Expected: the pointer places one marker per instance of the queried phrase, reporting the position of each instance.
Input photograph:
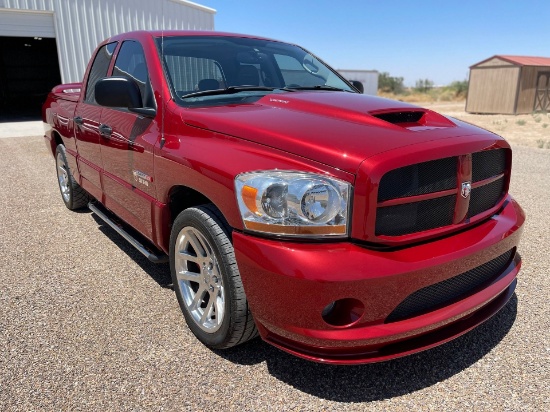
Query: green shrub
(460, 88)
(423, 85)
(390, 84)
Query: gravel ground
(86, 324)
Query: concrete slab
(21, 129)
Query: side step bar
(160, 258)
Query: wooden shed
(509, 85)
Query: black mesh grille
(415, 217)
(488, 164)
(448, 291)
(432, 177)
(418, 179)
(485, 197)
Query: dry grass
(525, 129)
(437, 94)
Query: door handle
(105, 131)
(136, 147)
(78, 120)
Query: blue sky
(437, 40)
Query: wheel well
(183, 197)
(57, 140)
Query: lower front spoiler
(360, 355)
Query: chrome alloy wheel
(63, 177)
(199, 279)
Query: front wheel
(206, 279)
(72, 194)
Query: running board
(160, 258)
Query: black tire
(74, 196)
(237, 324)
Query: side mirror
(118, 92)
(358, 85)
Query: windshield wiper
(320, 87)
(235, 89)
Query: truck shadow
(160, 272)
(361, 383)
(384, 380)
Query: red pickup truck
(340, 227)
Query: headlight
(293, 203)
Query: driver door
(127, 144)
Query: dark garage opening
(29, 68)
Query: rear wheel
(206, 279)
(72, 194)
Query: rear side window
(130, 62)
(99, 69)
(187, 72)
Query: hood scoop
(414, 120)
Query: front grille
(444, 293)
(403, 217)
(488, 164)
(415, 217)
(418, 179)
(485, 197)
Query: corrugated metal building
(369, 78)
(46, 42)
(509, 85)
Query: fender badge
(466, 189)
(142, 178)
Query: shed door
(542, 96)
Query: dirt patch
(526, 130)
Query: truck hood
(335, 128)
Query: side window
(190, 74)
(99, 69)
(293, 72)
(130, 62)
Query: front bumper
(288, 284)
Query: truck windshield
(212, 70)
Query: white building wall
(369, 78)
(80, 25)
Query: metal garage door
(29, 65)
(26, 24)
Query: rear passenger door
(86, 124)
(127, 142)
